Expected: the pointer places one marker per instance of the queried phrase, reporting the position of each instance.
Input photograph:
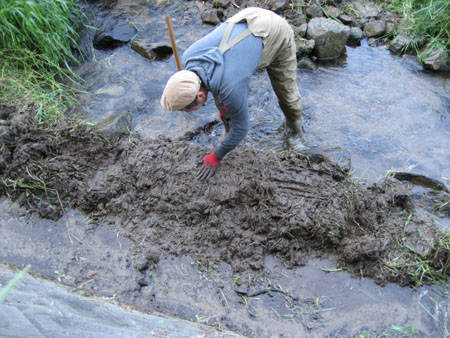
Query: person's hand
(209, 166)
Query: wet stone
(332, 11)
(345, 18)
(375, 28)
(365, 9)
(304, 46)
(436, 60)
(111, 90)
(314, 11)
(211, 16)
(278, 5)
(152, 50)
(330, 37)
(116, 125)
(417, 179)
(356, 34)
(115, 32)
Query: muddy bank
(283, 204)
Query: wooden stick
(172, 40)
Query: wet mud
(258, 204)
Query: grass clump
(36, 42)
(424, 21)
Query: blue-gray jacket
(227, 76)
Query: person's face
(201, 99)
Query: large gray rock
(436, 60)
(330, 37)
(375, 28)
(113, 33)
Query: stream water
(384, 110)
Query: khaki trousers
(279, 58)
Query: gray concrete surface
(36, 307)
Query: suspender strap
(224, 45)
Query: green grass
(423, 19)
(36, 42)
(410, 265)
(42, 26)
(13, 282)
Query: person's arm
(236, 106)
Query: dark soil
(258, 203)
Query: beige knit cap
(181, 89)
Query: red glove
(209, 166)
(220, 116)
(211, 159)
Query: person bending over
(223, 62)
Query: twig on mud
(79, 241)
(143, 239)
(117, 236)
(261, 292)
(79, 286)
(224, 298)
(330, 270)
(68, 232)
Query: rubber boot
(293, 127)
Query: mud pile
(284, 204)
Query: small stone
(314, 11)
(112, 90)
(332, 11)
(346, 19)
(399, 43)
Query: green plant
(13, 282)
(36, 42)
(424, 20)
(42, 26)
